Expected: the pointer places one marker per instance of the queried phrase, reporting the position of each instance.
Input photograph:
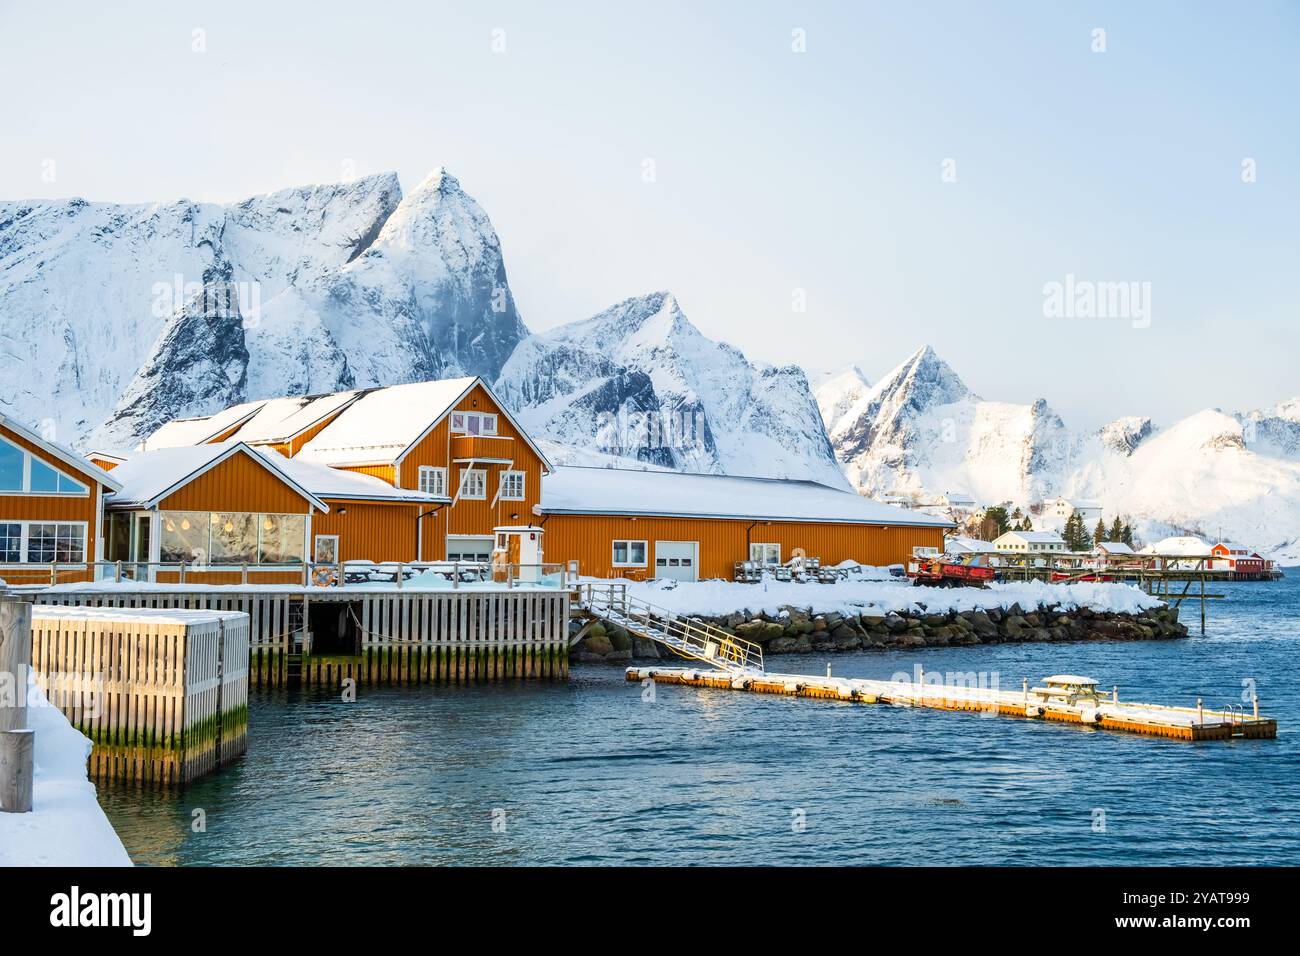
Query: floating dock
(1054, 702)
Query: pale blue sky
(775, 170)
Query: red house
(1226, 556)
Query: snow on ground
(66, 826)
(855, 597)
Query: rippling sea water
(588, 772)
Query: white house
(958, 501)
(1113, 552)
(1030, 541)
(1060, 510)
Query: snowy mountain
(920, 432)
(639, 382)
(125, 316)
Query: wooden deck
(1152, 720)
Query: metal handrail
(699, 639)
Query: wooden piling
(17, 762)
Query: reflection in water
(587, 772)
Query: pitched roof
(1035, 537)
(335, 483)
(384, 422)
(61, 452)
(280, 419)
(580, 490)
(183, 432)
(1115, 547)
(150, 476)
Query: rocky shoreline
(803, 631)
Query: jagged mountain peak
(638, 380)
(337, 283)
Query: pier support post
(17, 761)
(17, 750)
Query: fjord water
(589, 772)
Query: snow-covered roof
(335, 483)
(181, 432)
(280, 419)
(1115, 547)
(380, 425)
(1232, 546)
(61, 452)
(960, 544)
(1181, 544)
(1034, 537)
(383, 424)
(149, 477)
(578, 490)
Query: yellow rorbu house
(50, 508)
(441, 471)
(413, 473)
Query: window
(629, 554)
(23, 472)
(281, 539)
(473, 483)
(11, 542)
(512, 486)
(200, 537)
(56, 543)
(765, 553)
(433, 481)
(184, 537)
(473, 423)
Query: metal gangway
(686, 637)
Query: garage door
(677, 559)
(470, 549)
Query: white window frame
(27, 477)
(315, 545)
(762, 558)
(464, 484)
(24, 538)
(523, 486)
(439, 480)
(628, 542)
(484, 418)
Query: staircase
(687, 638)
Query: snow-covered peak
(639, 380)
(837, 391)
(1123, 435)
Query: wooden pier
(374, 635)
(1051, 703)
(162, 695)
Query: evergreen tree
(1099, 533)
(1116, 530)
(998, 515)
(1126, 535)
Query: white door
(677, 559)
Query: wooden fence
(404, 636)
(162, 694)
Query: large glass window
(11, 467)
(234, 538)
(40, 478)
(193, 537)
(184, 537)
(282, 539)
